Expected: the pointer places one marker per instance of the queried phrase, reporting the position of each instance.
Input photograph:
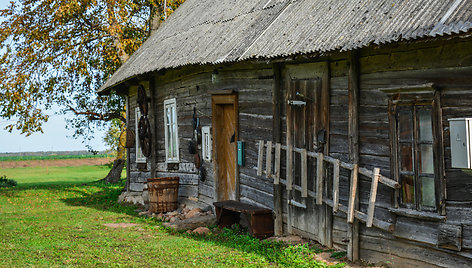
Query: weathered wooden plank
(386, 226)
(450, 236)
(467, 236)
(352, 194)
(417, 255)
(353, 143)
(304, 174)
(260, 158)
(256, 196)
(373, 196)
(424, 215)
(416, 230)
(256, 182)
(336, 186)
(269, 160)
(289, 169)
(319, 179)
(277, 164)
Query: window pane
(174, 117)
(406, 152)
(174, 141)
(428, 197)
(405, 125)
(169, 143)
(426, 129)
(168, 115)
(408, 189)
(426, 159)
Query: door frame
(222, 99)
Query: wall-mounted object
(206, 143)
(240, 153)
(296, 102)
(461, 142)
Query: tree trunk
(114, 175)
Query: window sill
(425, 215)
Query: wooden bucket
(163, 194)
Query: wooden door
(225, 135)
(303, 125)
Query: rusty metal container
(163, 194)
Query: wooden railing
(317, 192)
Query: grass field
(50, 157)
(57, 219)
(41, 176)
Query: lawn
(60, 222)
(31, 176)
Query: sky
(55, 137)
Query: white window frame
(140, 158)
(206, 143)
(171, 103)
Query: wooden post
(353, 142)
(269, 160)
(260, 158)
(325, 118)
(128, 154)
(373, 196)
(277, 138)
(336, 185)
(319, 179)
(304, 174)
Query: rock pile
(187, 218)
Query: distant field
(32, 176)
(51, 157)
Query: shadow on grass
(101, 196)
(96, 194)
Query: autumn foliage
(61, 51)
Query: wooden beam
(260, 158)
(353, 143)
(269, 159)
(373, 197)
(336, 186)
(304, 174)
(277, 138)
(319, 179)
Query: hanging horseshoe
(144, 129)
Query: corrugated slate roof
(217, 31)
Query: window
(416, 158)
(206, 143)
(140, 158)
(171, 131)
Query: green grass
(58, 223)
(31, 176)
(50, 157)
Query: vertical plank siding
(414, 238)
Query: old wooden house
(349, 119)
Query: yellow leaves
(51, 50)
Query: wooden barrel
(163, 194)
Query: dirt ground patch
(56, 162)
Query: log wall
(424, 240)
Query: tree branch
(93, 116)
